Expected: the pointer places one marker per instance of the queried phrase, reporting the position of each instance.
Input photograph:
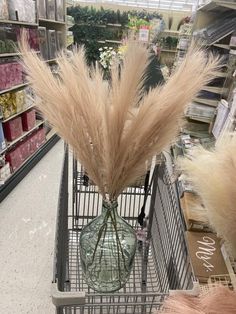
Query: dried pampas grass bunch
(217, 300)
(213, 174)
(112, 132)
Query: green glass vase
(107, 250)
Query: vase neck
(109, 206)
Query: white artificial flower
(110, 48)
(100, 49)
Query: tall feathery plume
(217, 300)
(213, 174)
(111, 131)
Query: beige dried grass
(213, 174)
(112, 133)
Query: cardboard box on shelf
(13, 129)
(24, 148)
(41, 136)
(11, 74)
(14, 157)
(205, 254)
(28, 119)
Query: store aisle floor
(27, 225)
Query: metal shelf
(168, 50)
(51, 22)
(205, 101)
(17, 114)
(13, 88)
(214, 89)
(218, 6)
(222, 46)
(10, 54)
(11, 144)
(18, 23)
(200, 119)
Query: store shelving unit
(201, 114)
(209, 27)
(13, 88)
(51, 137)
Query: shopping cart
(161, 263)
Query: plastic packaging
(43, 43)
(51, 9)
(42, 9)
(52, 44)
(60, 16)
(22, 10)
(3, 10)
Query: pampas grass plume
(218, 300)
(111, 131)
(213, 174)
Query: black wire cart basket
(161, 262)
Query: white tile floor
(27, 224)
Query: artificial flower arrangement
(109, 57)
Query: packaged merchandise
(41, 137)
(36, 139)
(31, 34)
(29, 97)
(8, 39)
(42, 9)
(222, 114)
(33, 142)
(24, 148)
(28, 119)
(3, 10)
(43, 43)
(33, 39)
(19, 100)
(60, 10)
(60, 40)
(30, 11)
(7, 105)
(51, 9)
(52, 43)
(205, 254)
(12, 129)
(11, 74)
(5, 172)
(14, 157)
(2, 139)
(22, 10)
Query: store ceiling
(175, 5)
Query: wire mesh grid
(161, 261)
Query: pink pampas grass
(219, 300)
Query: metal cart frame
(161, 263)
